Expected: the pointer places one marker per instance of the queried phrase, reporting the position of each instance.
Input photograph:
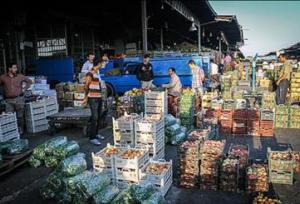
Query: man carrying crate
(14, 92)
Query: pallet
(12, 162)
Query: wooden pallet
(12, 162)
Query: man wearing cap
(283, 80)
(145, 73)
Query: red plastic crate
(267, 132)
(253, 124)
(253, 114)
(240, 114)
(212, 113)
(226, 115)
(266, 124)
(253, 132)
(239, 123)
(226, 123)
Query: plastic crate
(153, 147)
(148, 137)
(267, 114)
(123, 184)
(157, 95)
(135, 163)
(36, 129)
(35, 111)
(14, 134)
(160, 154)
(125, 122)
(8, 118)
(127, 174)
(158, 179)
(281, 177)
(142, 125)
(36, 117)
(123, 137)
(100, 160)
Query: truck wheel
(110, 90)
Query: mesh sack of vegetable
(79, 199)
(106, 195)
(142, 192)
(124, 197)
(55, 181)
(14, 146)
(73, 165)
(63, 197)
(93, 184)
(47, 192)
(173, 129)
(177, 139)
(72, 182)
(170, 120)
(155, 198)
(39, 152)
(66, 150)
(51, 161)
(54, 143)
(34, 162)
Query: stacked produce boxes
(150, 132)
(229, 104)
(226, 117)
(156, 102)
(281, 166)
(123, 129)
(239, 125)
(211, 155)
(207, 99)
(253, 116)
(36, 116)
(226, 82)
(266, 122)
(79, 96)
(268, 100)
(188, 156)
(229, 173)
(266, 83)
(8, 127)
(282, 116)
(234, 78)
(294, 117)
(186, 108)
(257, 178)
(295, 87)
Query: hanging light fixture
(210, 34)
(193, 27)
(203, 33)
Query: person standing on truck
(198, 76)
(14, 92)
(145, 73)
(93, 97)
(283, 81)
(89, 63)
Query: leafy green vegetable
(155, 198)
(106, 195)
(66, 150)
(73, 165)
(34, 162)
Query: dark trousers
(281, 92)
(94, 124)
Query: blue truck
(126, 79)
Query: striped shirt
(198, 77)
(94, 90)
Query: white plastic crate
(125, 122)
(36, 110)
(9, 127)
(8, 118)
(148, 137)
(35, 117)
(158, 155)
(125, 174)
(100, 160)
(51, 101)
(36, 129)
(158, 95)
(14, 134)
(158, 179)
(143, 125)
(135, 163)
(156, 110)
(122, 184)
(123, 137)
(153, 147)
(165, 188)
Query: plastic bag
(34, 162)
(55, 181)
(173, 129)
(66, 150)
(177, 139)
(155, 198)
(183, 129)
(51, 161)
(15, 146)
(170, 120)
(73, 165)
(124, 197)
(63, 197)
(106, 195)
(93, 184)
(54, 143)
(47, 192)
(143, 191)
(72, 182)
(178, 121)
(79, 199)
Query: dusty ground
(22, 185)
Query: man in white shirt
(214, 68)
(174, 87)
(88, 65)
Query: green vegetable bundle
(34, 162)
(51, 161)
(54, 143)
(47, 192)
(55, 181)
(14, 146)
(39, 152)
(170, 120)
(177, 139)
(66, 150)
(155, 198)
(72, 182)
(173, 129)
(73, 165)
(124, 197)
(106, 195)
(93, 184)
(142, 192)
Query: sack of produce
(79, 199)
(47, 192)
(72, 182)
(178, 121)
(63, 197)
(106, 195)
(124, 197)
(54, 143)
(51, 161)
(155, 198)
(183, 129)
(73, 165)
(93, 184)
(173, 129)
(14, 147)
(39, 152)
(34, 162)
(170, 120)
(142, 192)
(55, 181)
(66, 150)
(177, 139)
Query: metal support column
(66, 40)
(161, 38)
(199, 38)
(144, 26)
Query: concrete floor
(22, 185)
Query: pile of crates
(266, 122)
(229, 104)
(239, 125)
(226, 117)
(36, 113)
(150, 132)
(8, 127)
(253, 116)
(229, 174)
(123, 129)
(294, 117)
(282, 116)
(226, 82)
(207, 100)
(295, 87)
(281, 167)
(268, 100)
(186, 108)
(156, 103)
